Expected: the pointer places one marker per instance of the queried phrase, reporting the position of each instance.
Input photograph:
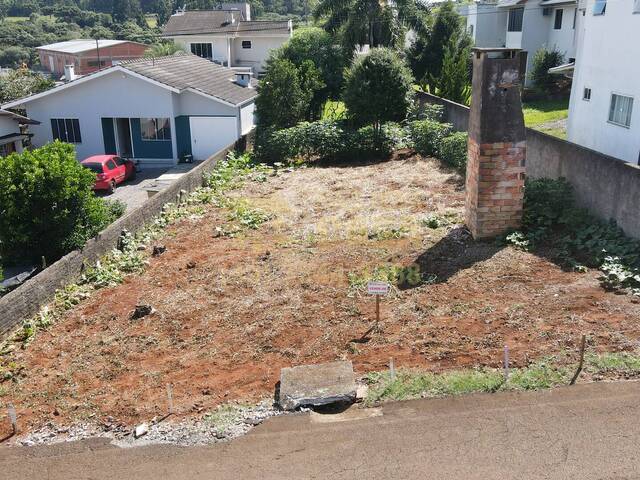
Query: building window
(155, 128)
(515, 19)
(557, 24)
(470, 30)
(586, 94)
(66, 130)
(7, 149)
(600, 7)
(620, 111)
(204, 50)
(246, 44)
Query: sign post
(377, 289)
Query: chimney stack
(243, 78)
(497, 147)
(69, 73)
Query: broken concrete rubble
(315, 385)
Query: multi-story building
(525, 24)
(227, 35)
(87, 55)
(604, 114)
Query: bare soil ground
(231, 312)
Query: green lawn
(544, 111)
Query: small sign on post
(377, 288)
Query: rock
(141, 248)
(314, 385)
(191, 264)
(141, 430)
(158, 250)
(141, 311)
(253, 421)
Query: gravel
(225, 423)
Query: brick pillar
(496, 155)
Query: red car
(111, 170)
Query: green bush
(453, 150)
(330, 140)
(551, 217)
(47, 204)
(427, 136)
(543, 60)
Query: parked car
(111, 170)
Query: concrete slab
(314, 385)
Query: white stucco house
(604, 111)
(525, 24)
(12, 135)
(227, 35)
(152, 110)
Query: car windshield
(95, 167)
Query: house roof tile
(218, 22)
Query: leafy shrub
(47, 204)
(427, 136)
(543, 60)
(426, 111)
(378, 89)
(331, 140)
(551, 216)
(453, 150)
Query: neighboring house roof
(81, 45)
(199, 22)
(18, 118)
(180, 72)
(547, 3)
(510, 3)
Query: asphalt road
(582, 432)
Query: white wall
(563, 40)
(188, 103)
(488, 22)
(114, 95)
(607, 62)
(219, 48)
(247, 118)
(8, 125)
(259, 52)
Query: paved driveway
(134, 193)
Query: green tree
(372, 22)
(15, 57)
(426, 53)
(316, 45)
(124, 10)
(22, 83)
(543, 60)
(378, 89)
(285, 93)
(163, 49)
(455, 79)
(47, 204)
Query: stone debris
(196, 431)
(142, 311)
(141, 430)
(158, 250)
(315, 385)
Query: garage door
(211, 134)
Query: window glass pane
(118, 161)
(148, 128)
(246, 44)
(558, 21)
(111, 165)
(515, 19)
(76, 131)
(204, 50)
(600, 7)
(164, 129)
(54, 129)
(621, 110)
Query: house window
(586, 94)
(600, 7)
(66, 130)
(515, 19)
(620, 111)
(246, 44)
(557, 24)
(470, 30)
(204, 50)
(155, 128)
(7, 149)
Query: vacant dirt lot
(231, 312)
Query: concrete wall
(257, 55)
(607, 63)
(608, 187)
(27, 299)
(485, 23)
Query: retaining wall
(26, 300)
(606, 186)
